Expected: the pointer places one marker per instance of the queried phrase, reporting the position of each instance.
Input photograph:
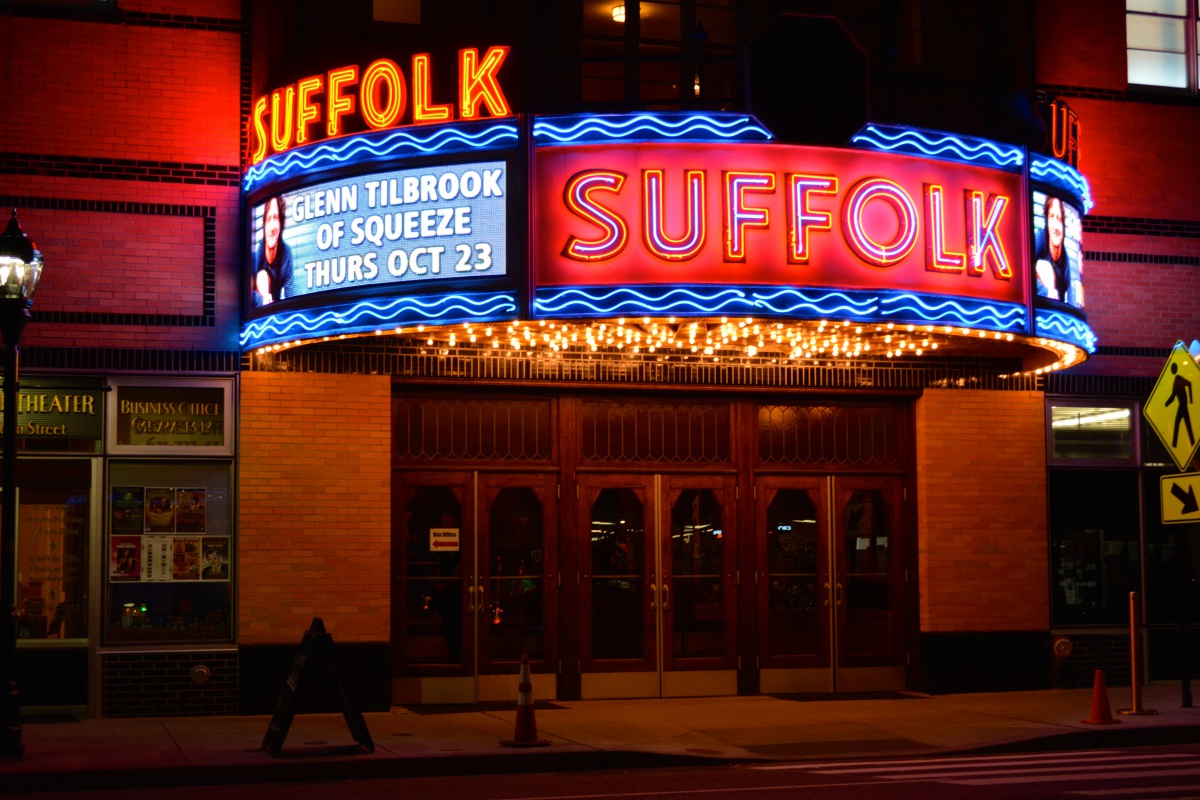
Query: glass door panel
(437, 546)
(793, 592)
(869, 580)
(617, 582)
(518, 562)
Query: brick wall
(161, 684)
(122, 157)
(315, 506)
(981, 485)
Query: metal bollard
(1135, 658)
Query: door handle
(666, 597)
(653, 597)
(827, 594)
(840, 599)
(471, 599)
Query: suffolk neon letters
(318, 106)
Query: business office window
(1091, 432)
(1161, 45)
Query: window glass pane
(1155, 33)
(433, 605)
(1177, 8)
(1157, 69)
(1091, 432)
(660, 21)
(793, 622)
(697, 567)
(618, 588)
(1094, 562)
(170, 553)
(53, 520)
(515, 601)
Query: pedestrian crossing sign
(1171, 407)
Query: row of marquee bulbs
(728, 339)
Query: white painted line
(1077, 764)
(946, 760)
(1102, 776)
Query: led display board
(413, 226)
(749, 214)
(1057, 250)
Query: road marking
(966, 765)
(1102, 776)
(1137, 790)
(946, 760)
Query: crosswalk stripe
(1102, 776)
(1032, 765)
(1138, 790)
(945, 760)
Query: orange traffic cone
(1101, 713)
(526, 732)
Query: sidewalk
(597, 734)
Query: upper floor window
(1160, 40)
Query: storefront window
(1094, 558)
(1091, 432)
(171, 552)
(53, 516)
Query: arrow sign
(443, 539)
(1188, 498)
(1178, 494)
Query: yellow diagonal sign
(1171, 407)
(1180, 495)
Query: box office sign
(181, 417)
(51, 419)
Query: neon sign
(775, 215)
(295, 115)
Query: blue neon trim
(371, 315)
(376, 145)
(1063, 176)
(697, 300)
(960, 311)
(649, 127)
(936, 144)
(781, 302)
(1052, 324)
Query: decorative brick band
(208, 215)
(1086, 92)
(101, 359)
(1142, 226)
(119, 169)
(115, 16)
(1099, 385)
(1141, 258)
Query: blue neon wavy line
(627, 127)
(282, 324)
(1072, 329)
(969, 150)
(861, 307)
(622, 297)
(343, 151)
(1041, 166)
(942, 309)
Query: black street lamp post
(20, 270)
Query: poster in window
(126, 558)
(185, 559)
(214, 562)
(156, 558)
(127, 509)
(190, 509)
(160, 510)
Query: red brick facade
(981, 500)
(315, 506)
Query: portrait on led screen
(1058, 249)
